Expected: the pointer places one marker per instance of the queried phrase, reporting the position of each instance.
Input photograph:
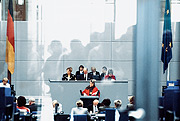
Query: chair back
(161, 101)
(123, 116)
(61, 117)
(110, 114)
(177, 103)
(82, 117)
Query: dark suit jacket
(97, 76)
(103, 108)
(90, 107)
(78, 75)
(33, 107)
(102, 76)
(65, 77)
(82, 77)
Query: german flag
(10, 49)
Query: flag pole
(9, 77)
(168, 77)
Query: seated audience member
(78, 110)
(68, 76)
(94, 74)
(117, 104)
(91, 90)
(105, 104)
(5, 83)
(21, 101)
(85, 75)
(110, 75)
(78, 73)
(57, 107)
(94, 108)
(104, 71)
(131, 106)
(32, 105)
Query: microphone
(97, 93)
(81, 93)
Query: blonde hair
(79, 103)
(5, 79)
(131, 100)
(118, 103)
(55, 102)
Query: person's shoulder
(114, 76)
(7, 84)
(23, 108)
(96, 89)
(74, 108)
(60, 105)
(85, 109)
(72, 75)
(106, 76)
(28, 110)
(65, 74)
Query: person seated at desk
(5, 83)
(57, 107)
(94, 108)
(32, 105)
(21, 101)
(104, 71)
(78, 110)
(85, 76)
(91, 90)
(117, 104)
(131, 105)
(69, 76)
(94, 74)
(104, 104)
(110, 75)
(78, 73)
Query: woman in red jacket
(91, 90)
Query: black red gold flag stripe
(10, 48)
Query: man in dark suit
(103, 74)
(105, 104)
(85, 76)
(94, 108)
(32, 105)
(94, 74)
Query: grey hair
(110, 71)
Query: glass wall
(53, 35)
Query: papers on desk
(100, 115)
(97, 116)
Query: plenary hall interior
(89, 60)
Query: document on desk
(100, 115)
